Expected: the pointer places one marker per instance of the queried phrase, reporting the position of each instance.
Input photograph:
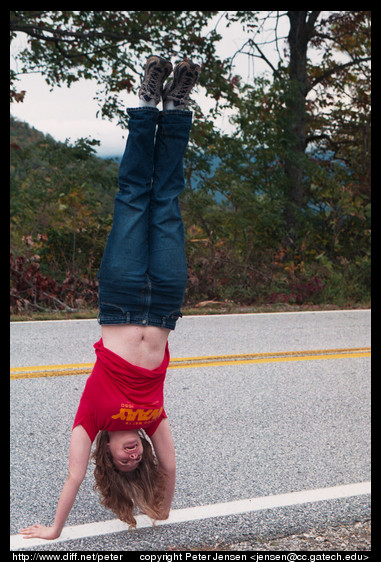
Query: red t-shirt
(119, 396)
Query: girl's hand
(40, 532)
(80, 447)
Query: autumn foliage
(276, 211)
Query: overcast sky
(71, 112)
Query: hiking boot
(185, 77)
(156, 71)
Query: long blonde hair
(142, 488)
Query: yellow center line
(203, 361)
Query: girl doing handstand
(142, 281)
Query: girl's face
(126, 449)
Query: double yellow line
(208, 361)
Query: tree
(307, 130)
(302, 28)
(110, 47)
(307, 126)
(328, 55)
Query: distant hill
(26, 138)
(47, 177)
(23, 135)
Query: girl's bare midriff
(143, 346)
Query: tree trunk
(301, 30)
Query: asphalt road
(244, 430)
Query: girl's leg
(143, 274)
(123, 282)
(167, 270)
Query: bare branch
(312, 20)
(263, 57)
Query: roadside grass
(201, 309)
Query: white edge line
(286, 312)
(210, 315)
(17, 542)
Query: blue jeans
(143, 273)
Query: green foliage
(238, 248)
(110, 47)
(276, 211)
(61, 204)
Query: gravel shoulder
(351, 537)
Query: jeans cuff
(140, 109)
(157, 110)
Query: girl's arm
(165, 452)
(80, 447)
